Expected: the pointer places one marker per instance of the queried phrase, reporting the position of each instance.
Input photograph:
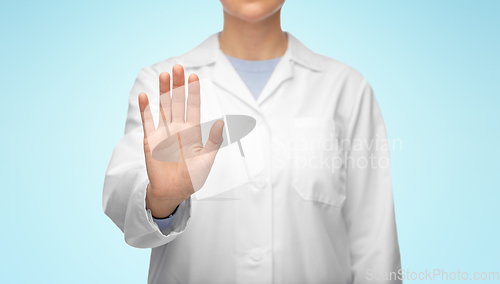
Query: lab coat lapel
(282, 72)
(226, 77)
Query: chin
(252, 11)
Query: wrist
(161, 208)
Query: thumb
(215, 138)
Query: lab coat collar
(224, 75)
(206, 53)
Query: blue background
(67, 68)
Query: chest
(295, 138)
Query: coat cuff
(176, 225)
(142, 231)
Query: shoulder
(325, 67)
(349, 87)
(342, 72)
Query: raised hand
(176, 161)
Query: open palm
(176, 161)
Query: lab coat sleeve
(369, 209)
(126, 178)
(164, 223)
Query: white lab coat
(297, 220)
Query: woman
(287, 203)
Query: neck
(260, 40)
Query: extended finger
(146, 116)
(178, 94)
(193, 101)
(215, 138)
(165, 101)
